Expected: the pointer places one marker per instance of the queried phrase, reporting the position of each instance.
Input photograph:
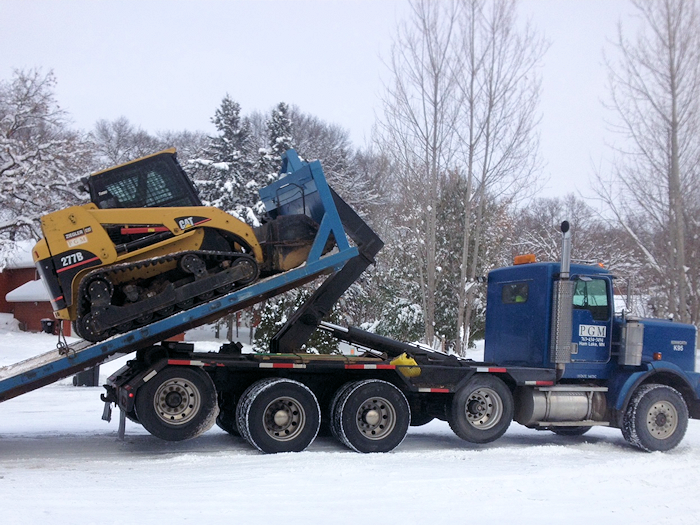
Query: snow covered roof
(29, 292)
(18, 256)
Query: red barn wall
(11, 279)
(28, 314)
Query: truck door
(592, 320)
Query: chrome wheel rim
(176, 401)
(662, 419)
(484, 408)
(376, 418)
(284, 418)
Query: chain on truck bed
(198, 276)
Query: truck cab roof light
(525, 259)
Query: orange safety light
(657, 356)
(525, 259)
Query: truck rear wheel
(482, 409)
(334, 414)
(278, 415)
(178, 403)
(370, 416)
(656, 418)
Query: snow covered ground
(61, 464)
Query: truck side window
(514, 293)
(592, 295)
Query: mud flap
(107, 412)
(122, 425)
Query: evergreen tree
(278, 132)
(279, 129)
(275, 314)
(226, 173)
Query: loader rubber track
(105, 309)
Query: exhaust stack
(562, 307)
(565, 251)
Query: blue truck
(557, 357)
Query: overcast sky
(166, 65)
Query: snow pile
(8, 323)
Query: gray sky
(166, 65)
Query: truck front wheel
(370, 416)
(278, 415)
(482, 409)
(178, 403)
(656, 418)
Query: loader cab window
(592, 295)
(151, 183)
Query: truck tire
(178, 403)
(656, 418)
(482, 409)
(131, 416)
(278, 415)
(370, 416)
(334, 411)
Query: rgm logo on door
(592, 335)
(592, 330)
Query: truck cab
(519, 325)
(608, 364)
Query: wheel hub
(484, 408)
(376, 418)
(176, 401)
(372, 417)
(476, 407)
(662, 420)
(284, 418)
(173, 399)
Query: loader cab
(149, 182)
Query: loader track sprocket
(111, 305)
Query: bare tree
(596, 241)
(463, 101)
(118, 141)
(421, 108)
(500, 86)
(655, 94)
